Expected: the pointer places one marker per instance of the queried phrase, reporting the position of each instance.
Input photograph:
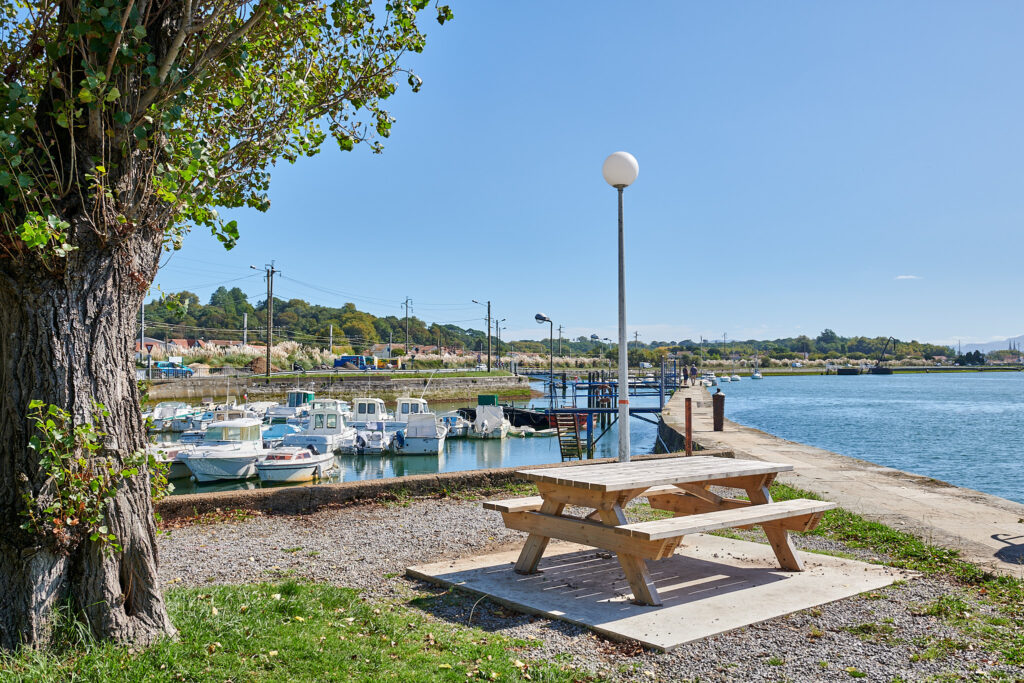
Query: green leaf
(113, 94)
(86, 95)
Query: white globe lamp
(620, 169)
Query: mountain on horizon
(993, 345)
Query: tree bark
(67, 339)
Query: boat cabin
(410, 406)
(244, 430)
(369, 410)
(296, 398)
(326, 418)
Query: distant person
(693, 375)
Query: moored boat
(424, 435)
(292, 464)
(230, 450)
(326, 431)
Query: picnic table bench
(678, 485)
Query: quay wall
(342, 386)
(305, 499)
(985, 529)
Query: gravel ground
(368, 546)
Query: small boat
(551, 431)
(296, 406)
(166, 412)
(757, 374)
(457, 425)
(490, 423)
(734, 378)
(650, 380)
(327, 431)
(230, 450)
(289, 463)
(369, 410)
(373, 438)
(708, 379)
(424, 435)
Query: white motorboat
(457, 425)
(490, 423)
(260, 408)
(327, 431)
(708, 379)
(230, 450)
(734, 378)
(192, 437)
(424, 435)
(757, 374)
(289, 463)
(369, 410)
(296, 406)
(166, 412)
(373, 438)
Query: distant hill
(994, 345)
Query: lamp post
(488, 332)
(541, 318)
(620, 170)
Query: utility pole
(559, 341)
(488, 332)
(270, 271)
(330, 341)
(406, 304)
(245, 329)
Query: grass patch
(291, 631)
(900, 549)
(876, 633)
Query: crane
(878, 368)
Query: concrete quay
(987, 530)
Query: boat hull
(292, 473)
(423, 445)
(215, 468)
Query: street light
(620, 170)
(488, 331)
(541, 318)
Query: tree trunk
(68, 339)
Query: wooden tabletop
(623, 476)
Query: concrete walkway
(987, 530)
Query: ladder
(569, 436)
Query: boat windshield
(233, 433)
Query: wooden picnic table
(680, 485)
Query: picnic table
(679, 485)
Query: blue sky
(803, 165)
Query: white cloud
(909, 277)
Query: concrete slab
(711, 585)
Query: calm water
(967, 429)
(461, 454)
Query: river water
(463, 454)
(963, 428)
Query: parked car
(480, 366)
(166, 369)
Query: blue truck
(357, 362)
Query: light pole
(541, 318)
(488, 332)
(620, 170)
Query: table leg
(535, 543)
(634, 567)
(779, 538)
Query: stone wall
(346, 386)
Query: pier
(985, 529)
